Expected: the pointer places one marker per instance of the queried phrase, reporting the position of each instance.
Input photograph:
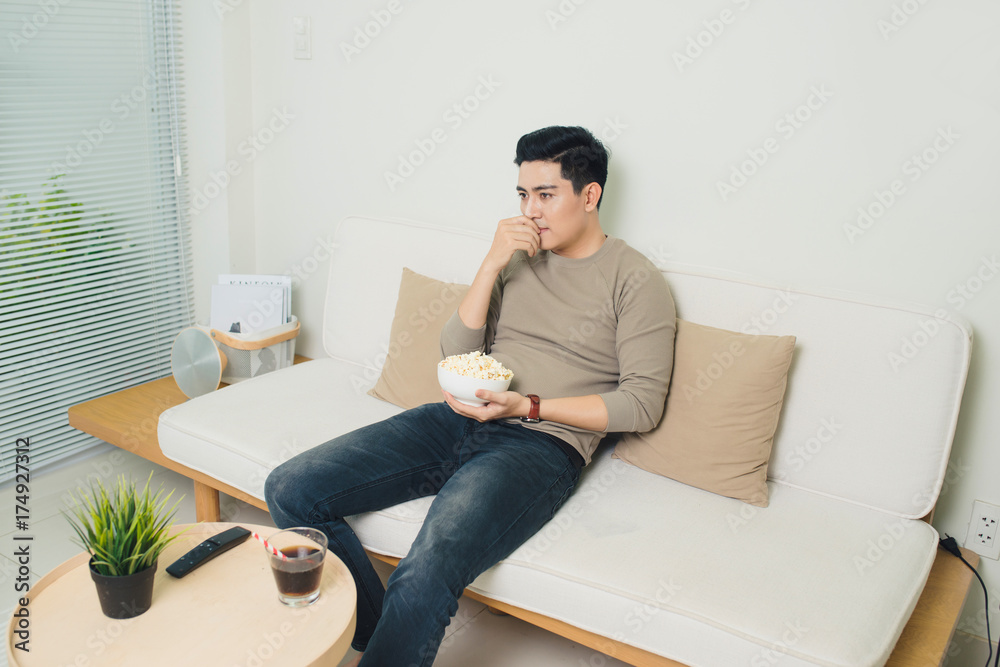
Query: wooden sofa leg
(496, 612)
(206, 503)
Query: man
(585, 322)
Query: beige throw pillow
(722, 410)
(409, 375)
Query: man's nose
(531, 208)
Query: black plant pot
(127, 596)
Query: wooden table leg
(206, 503)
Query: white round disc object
(196, 362)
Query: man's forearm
(587, 412)
(475, 305)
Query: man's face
(549, 200)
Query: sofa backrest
(365, 268)
(873, 393)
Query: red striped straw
(269, 547)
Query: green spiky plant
(52, 225)
(124, 530)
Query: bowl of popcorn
(462, 374)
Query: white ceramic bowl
(463, 388)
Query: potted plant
(125, 531)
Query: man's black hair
(583, 158)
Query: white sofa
(827, 574)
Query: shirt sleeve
(456, 338)
(647, 323)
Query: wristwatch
(532, 417)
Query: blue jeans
(496, 485)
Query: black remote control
(208, 550)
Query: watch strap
(532, 417)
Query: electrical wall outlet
(982, 536)
(302, 38)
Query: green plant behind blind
(94, 243)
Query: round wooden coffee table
(224, 613)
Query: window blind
(95, 261)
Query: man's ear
(592, 193)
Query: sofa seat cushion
(239, 433)
(681, 564)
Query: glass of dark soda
(296, 557)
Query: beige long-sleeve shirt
(602, 324)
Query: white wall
(204, 73)
(887, 80)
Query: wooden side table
(224, 613)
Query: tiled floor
(476, 638)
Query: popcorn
(476, 365)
